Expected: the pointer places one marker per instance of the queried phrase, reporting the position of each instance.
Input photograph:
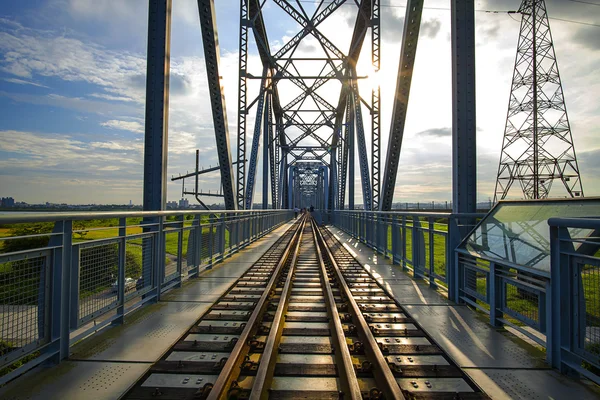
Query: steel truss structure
(302, 103)
(538, 145)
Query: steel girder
(410, 38)
(255, 145)
(362, 149)
(273, 148)
(208, 23)
(350, 153)
(242, 103)
(349, 128)
(266, 141)
(360, 30)
(375, 105)
(157, 105)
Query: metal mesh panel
(590, 280)
(98, 272)
(216, 239)
(205, 244)
(189, 247)
(171, 256)
(409, 243)
(522, 302)
(22, 305)
(439, 255)
(475, 283)
(138, 266)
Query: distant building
(8, 202)
(184, 203)
(171, 204)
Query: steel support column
(157, 105)
(464, 156)
(208, 23)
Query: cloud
(588, 37)
(29, 52)
(132, 126)
(24, 82)
(111, 97)
(436, 132)
(72, 103)
(430, 28)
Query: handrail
(23, 217)
(581, 223)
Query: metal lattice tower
(538, 145)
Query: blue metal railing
(559, 309)
(62, 280)
(574, 306)
(421, 242)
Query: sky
(72, 90)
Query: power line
(585, 2)
(390, 5)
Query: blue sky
(72, 82)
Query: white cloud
(133, 126)
(23, 82)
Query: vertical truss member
(208, 23)
(538, 144)
(242, 103)
(375, 104)
(410, 38)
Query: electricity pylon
(538, 146)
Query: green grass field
(439, 245)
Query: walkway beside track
(504, 366)
(106, 365)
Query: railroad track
(305, 322)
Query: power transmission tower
(538, 145)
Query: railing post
(453, 273)
(395, 240)
(211, 240)
(197, 260)
(223, 226)
(496, 296)
(431, 225)
(403, 244)
(60, 314)
(416, 251)
(180, 233)
(121, 270)
(159, 270)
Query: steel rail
(264, 374)
(235, 360)
(349, 379)
(383, 375)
